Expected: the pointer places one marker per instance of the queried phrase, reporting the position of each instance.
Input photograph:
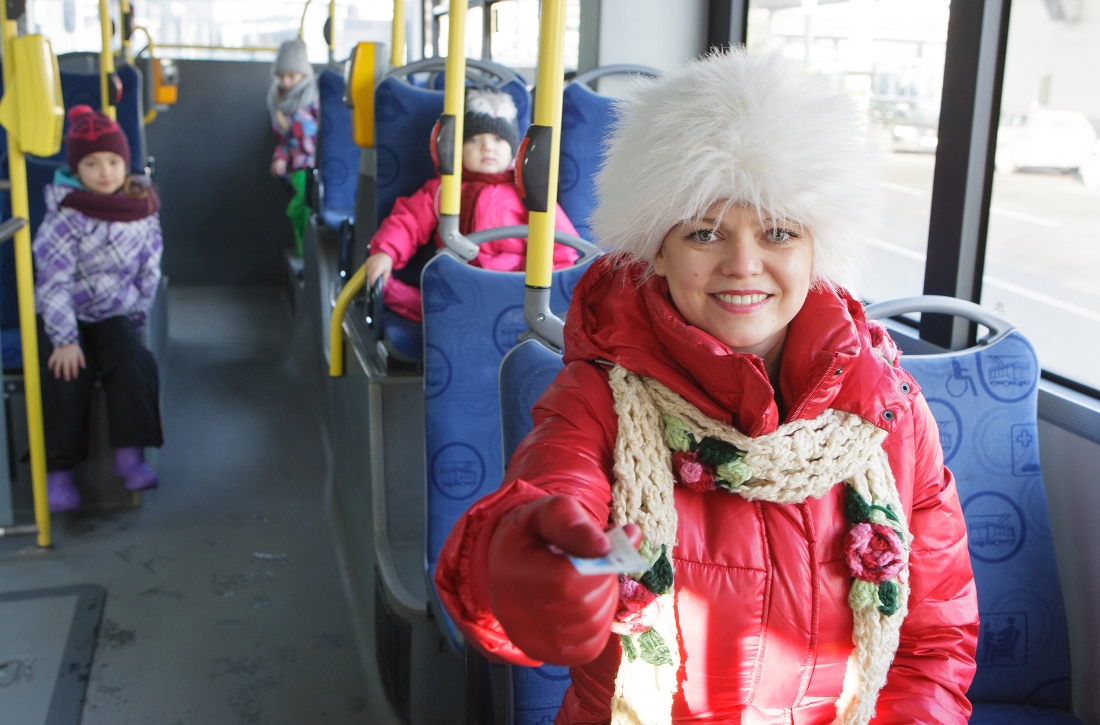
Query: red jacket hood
(832, 356)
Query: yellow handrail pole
(124, 12)
(548, 101)
(24, 272)
(301, 25)
(331, 31)
(397, 49)
(106, 59)
(454, 103)
(336, 324)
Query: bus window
(888, 55)
(1042, 257)
(512, 33)
(73, 25)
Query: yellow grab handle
(454, 104)
(548, 95)
(106, 60)
(397, 50)
(24, 272)
(336, 324)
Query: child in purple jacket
(97, 267)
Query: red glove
(548, 609)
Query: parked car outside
(1051, 139)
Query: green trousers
(297, 210)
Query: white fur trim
(736, 128)
(491, 103)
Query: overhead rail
(537, 174)
(241, 48)
(33, 114)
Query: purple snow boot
(130, 464)
(63, 495)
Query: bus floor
(225, 601)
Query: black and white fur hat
(738, 129)
(490, 111)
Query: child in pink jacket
(489, 200)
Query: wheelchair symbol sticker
(1003, 639)
(507, 328)
(995, 526)
(1025, 449)
(1010, 371)
(437, 372)
(458, 471)
(961, 381)
(950, 424)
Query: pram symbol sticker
(1009, 371)
(995, 526)
(458, 471)
(1025, 449)
(1003, 639)
(950, 424)
(507, 328)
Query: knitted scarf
(117, 207)
(300, 96)
(662, 438)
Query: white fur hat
(736, 128)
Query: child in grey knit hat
(292, 103)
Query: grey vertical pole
(977, 34)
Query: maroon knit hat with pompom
(91, 131)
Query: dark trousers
(115, 356)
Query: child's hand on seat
(278, 168)
(378, 265)
(66, 361)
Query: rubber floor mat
(47, 640)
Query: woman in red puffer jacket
(725, 400)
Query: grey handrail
(616, 69)
(998, 326)
(586, 248)
(438, 65)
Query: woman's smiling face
(741, 280)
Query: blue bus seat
(337, 154)
(586, 119)
(39, 173)
(404, 117)
(83, 88)
(985, 402)
(472, 317)
(526, 372)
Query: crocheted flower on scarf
(873, 552)
(874, 549)
(638, 608)
(706, 464)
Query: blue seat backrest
(586, 119)
(472, 317)
(527, 370)
(337, 154)
(985, 403)
(404, 118)
(78, 88)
